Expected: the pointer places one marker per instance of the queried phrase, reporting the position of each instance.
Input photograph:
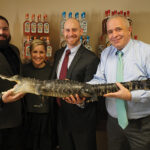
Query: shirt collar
(74, 49)
(125, 49)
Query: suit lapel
(57, 59)
(74, 61)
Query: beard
(5, 43)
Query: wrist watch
(1, 101)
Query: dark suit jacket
(10, 113)
(82, 69)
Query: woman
(39, 116)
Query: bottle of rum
(39, 26)
(33, 25)
(83, 23)
(27, 48)
(26, 25)
(46, 26)
(49, 49)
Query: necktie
(120, 104)
(63, 71)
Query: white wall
(14, 11)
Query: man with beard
(10, 113)
(76, 123)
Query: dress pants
(75, 140)
(136, 136)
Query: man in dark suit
(10, 113)
(76, 123)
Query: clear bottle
(39, 26)
(70, 15)
(63, 20)
(77, 16)
(87, 44)
(33, 25)
(26, 25)
(83, 23)
(46, 26)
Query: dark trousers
(76, 140)
(11, 139)
(136, 136)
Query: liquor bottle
(83, 24)
(121, 12)
(115, 12)
(125, 14)
(62, 22)
(81, 40)
(77, 16)
(33, 25)
(70, 15)
(39, 26)
(27, 48)
(26, 25)
(49, 49)
(46, 26)
(128, 17)
(135, 37)
(104, 21)
(87, 44)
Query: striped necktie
(120, 104)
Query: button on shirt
(136, 61)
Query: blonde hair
(37, 42)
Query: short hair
(125, 20)
(3, 18)
(37, 42)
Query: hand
(9, 96)
(74, 99)
(123, 93)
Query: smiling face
(72, 32)
(119, 32)
(4, 30)
(38, 55)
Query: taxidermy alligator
(65, 88)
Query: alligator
(65, 88)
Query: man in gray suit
(76, 124)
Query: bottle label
(27, 50)
(62, 27)
(33, 27)
(46, 28)
(49, 51)
(40, 27)
(27, 27)
(84, 27)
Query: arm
(9, 96)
